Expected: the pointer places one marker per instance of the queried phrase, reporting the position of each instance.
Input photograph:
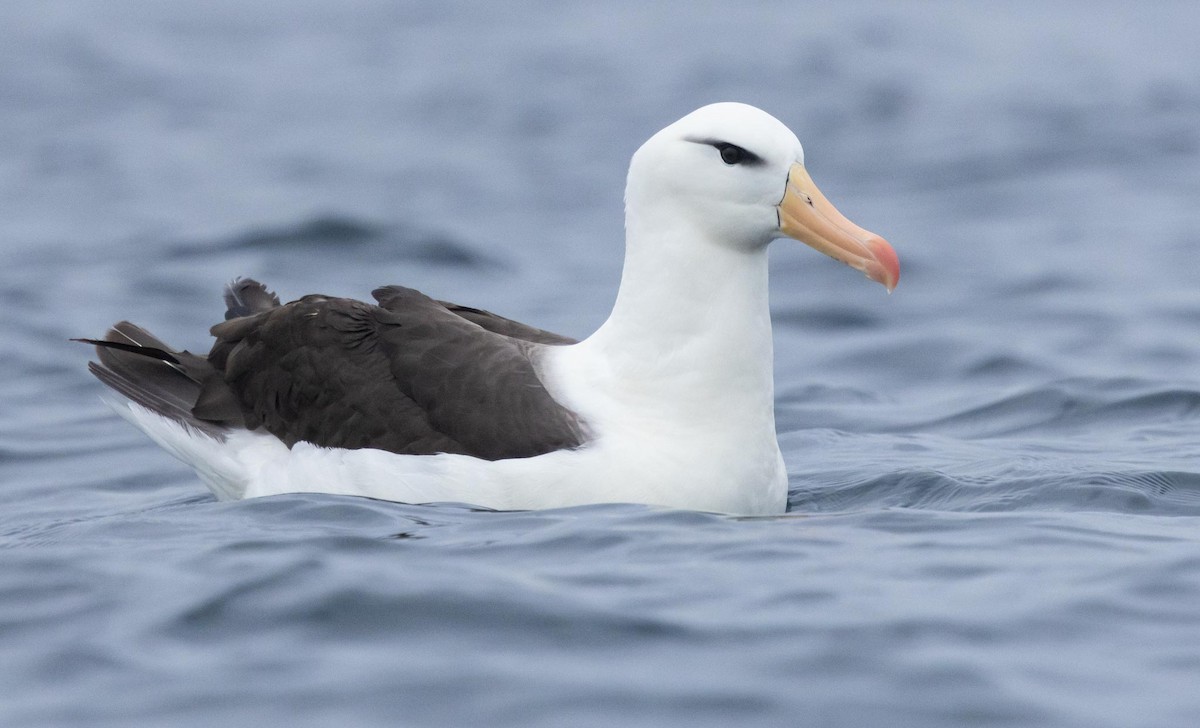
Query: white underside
(678, 409)
(726, 477)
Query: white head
(737, 173)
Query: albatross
(670, 402)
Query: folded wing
(410, 375)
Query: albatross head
(739, 173)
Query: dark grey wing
(176, 384)
(479, 386)
(312, 371)
(505, 326)
(246, 297)
(411, 378)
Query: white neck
(675, 388)
(691, 328)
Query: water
(995, 472)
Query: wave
(1079, 444)
(1144, 492)
(336, 232)
(1075, 406)
(1071, 407)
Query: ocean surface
(995, 471)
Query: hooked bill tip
(885, 268)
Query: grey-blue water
(995, 471)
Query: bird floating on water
(670, 402)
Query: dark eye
(732, 154)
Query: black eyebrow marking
(749, 158)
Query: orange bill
(805, 214)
